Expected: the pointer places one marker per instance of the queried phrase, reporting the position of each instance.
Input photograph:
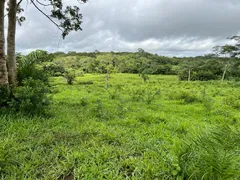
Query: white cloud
(169, 27)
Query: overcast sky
(165, 27)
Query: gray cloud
(169, 27)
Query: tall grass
(117, 134)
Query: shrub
(187, 97)
(55, 69)
(4, 95)
(145, 77)
(183, 75)
(70, 76)
(202, 75)
(147, 96)
(28, 67)
(31, 97)
(206, 76)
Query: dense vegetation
(117, 125)
(201, 68)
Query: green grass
(161, 129)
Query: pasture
(159, 129)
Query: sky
(166, 27)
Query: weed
(187, 97)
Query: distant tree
(229, 50)
(140, 50)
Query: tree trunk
(189, 74)
(224, 72)
(3, 67)
(11, 57)
(107, 77)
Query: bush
(200, 75)
(145, 77)
(29, 67)
(70, 76)
(31, 97)
(187, 97)
(206, 76)
(55, 69)
(4, 95)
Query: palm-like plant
(213, 155)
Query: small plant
(70, 76)
(148, 96)
(83, 101)
(112, 95)
(100, 112)
(145, 77)
(187, 97)
(207, 101)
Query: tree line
(203, 68)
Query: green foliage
(31, 98)
(146, 95)
(213, 155)
(91, 135)
(187, 97)
(54, 68)
(202, 68)
(86, 82)
(145, 77)
(29, 67)
(69, 17)
(207, 101)
(4, 95)
(232, 101)
(205, 76)
(70, 76)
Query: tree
(11, 58)
(3, 67)
(229, 50)
(66, 18)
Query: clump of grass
(99, 111)
(207, 101)
(212, 155)
(187, 97)
(232, 101)
(146, 95)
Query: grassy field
(160, 129)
